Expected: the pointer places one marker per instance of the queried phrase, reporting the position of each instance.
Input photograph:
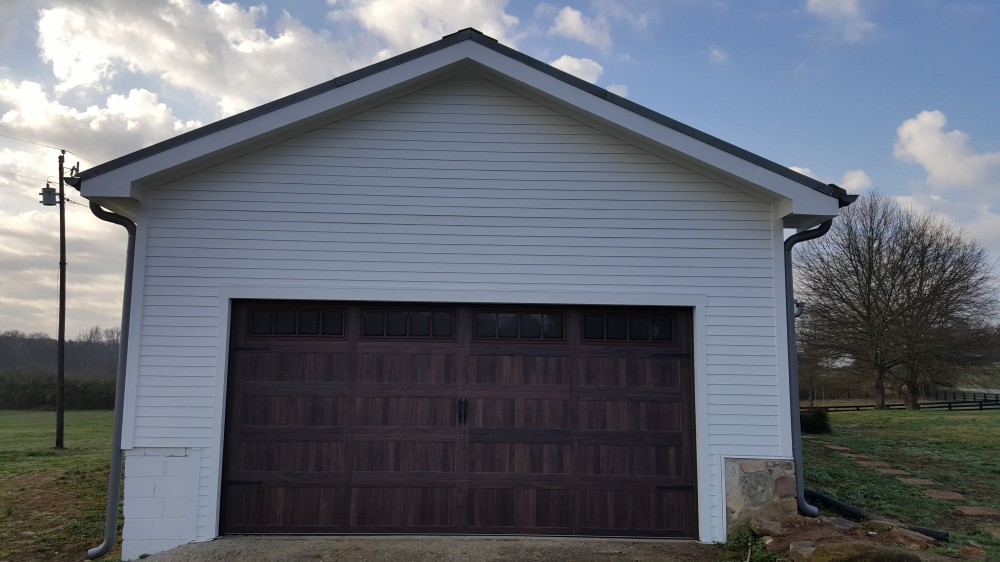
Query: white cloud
(803, 171)
(618, 89)
(618, 10)
(945, 155)
(402, 25)
(846, 17)
(126, 123)
(979, 220)
(717, 55)
(29, 250)
(587, 69)
(855, 181)
(572, 24)
(217, 50)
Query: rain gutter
(793, 366)
(115, 473)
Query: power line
(23, 176)
(47, 146)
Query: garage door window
(296, 322)
(628, 327)
(407, 324)
(525, 325)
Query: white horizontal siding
(462, 187)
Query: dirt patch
(44, 514)
(944, 495)
(916, 481)
(434, 549)
(977, 511)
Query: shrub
(815, 421)
(23, 389)
(745, 545)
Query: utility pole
(61, 372)
(49, 199)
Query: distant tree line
(28, 369)
(94, 352)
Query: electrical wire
(48, 146)
(23, 176)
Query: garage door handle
(463, 411)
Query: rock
(911, 539)
(994, 532)
(850, 551)
(801, 551)
(766, 527)
(772, 511)
(789, 506)
(784, 486)
(839, 524)
(972, 551)
(750, 467)
(758, 487)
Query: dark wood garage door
(375, 418)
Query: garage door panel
(659, 461)
(287, 411)
(492, 367)
(545, 413)
(290, 456)
(519, 458)
(407, 368)
(389, 509)
(505, 510)
(404, 456)
(404, 411)
(264, 509)
(632, 414)
(663, 373)
(603, 511)
(493, 411)
(295, 366)
(655, 511)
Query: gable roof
(466, 35)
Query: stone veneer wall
(758, 488)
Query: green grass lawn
(52, 501)
(959, 451)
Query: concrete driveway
(435, 549)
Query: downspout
(793, 366)
(115, 475)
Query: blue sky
(899, 96)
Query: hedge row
(21, 390)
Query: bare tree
(904, 296)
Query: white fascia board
(127, 181)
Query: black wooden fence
(938, 400)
